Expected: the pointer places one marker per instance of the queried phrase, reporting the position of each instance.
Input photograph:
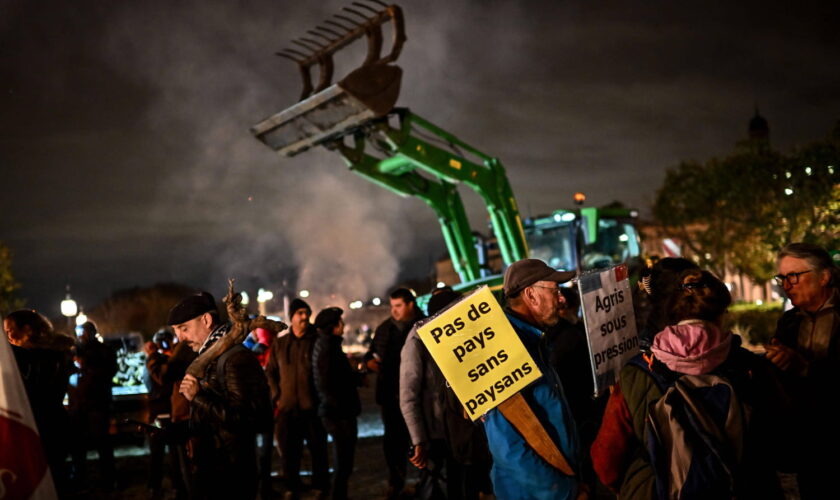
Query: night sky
(127, 159)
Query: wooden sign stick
(520, 415)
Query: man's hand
(149, 348)
(419, 458)
(189, 387)
(781, 355)
(373, 365)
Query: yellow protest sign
(478, 352)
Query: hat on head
(328, 318)
(440, 300)
(296, 304)
(191, 307)
(524, 273)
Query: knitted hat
(296, 304)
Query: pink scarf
(692, 347)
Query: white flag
(23, 466)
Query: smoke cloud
(125, 143)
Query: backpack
(694, 435)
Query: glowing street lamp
(264, 296)
(69, 307)
(304, 293)
(81, 319)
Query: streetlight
(69, 307)
(263, 296)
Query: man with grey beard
(531, 290)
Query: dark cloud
(127, 158)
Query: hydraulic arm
(413, 157)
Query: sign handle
(520, 415)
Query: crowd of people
(694, 414)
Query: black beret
(328, 318)
(191, 307)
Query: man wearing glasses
(806, 348)
(533, 306)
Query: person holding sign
(531, 290)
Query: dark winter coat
(335, 380)
(98, 365)
(230, 409)
(45, 369)
(813, 387)
(569, 356)
(388, 341)
(289, 372)
(822, 374)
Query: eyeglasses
(792, 278)
(555, 288)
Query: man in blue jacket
(533, 306)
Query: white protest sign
(479, 353)
(610, 323)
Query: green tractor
(390, 146)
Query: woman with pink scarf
(693, 344)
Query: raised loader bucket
(334, 110)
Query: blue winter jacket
(518, 472)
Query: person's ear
(529, 294)
(825, 277)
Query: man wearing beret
(289, 371)
(533, 306)
(228, 406)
